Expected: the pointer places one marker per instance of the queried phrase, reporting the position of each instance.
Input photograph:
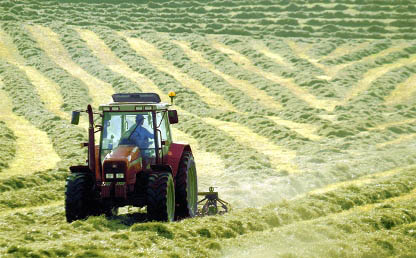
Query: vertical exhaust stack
(91, 142)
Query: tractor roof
(135, 102)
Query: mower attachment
(211, 207)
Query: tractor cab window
(128, 129)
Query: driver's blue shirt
(141, 137)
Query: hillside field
(301, 113)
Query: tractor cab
(138, 122)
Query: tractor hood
(123, 159)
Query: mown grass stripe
(155, 57)
(296, 90)
(186, 99)
(73, 91)
(7, 146)
(367, 179)
(208, 164)
(242, 85)
(25, 102)
(292, 105)
(306, 130)
(403, 92)
(34, 151)
(50, 43)
(108, 58)
(280, 157)
(372, 74)
(398, 140)
(47, 89)
(301, 52)
(84, 57)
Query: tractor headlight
(109, 176)
(120, 175)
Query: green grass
(7, 147)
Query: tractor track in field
(50, 43)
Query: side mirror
(75, 117)
(173, 116)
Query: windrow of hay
(373, 74)
(155, 57)
(7, 147)
(50, 43)
(281, 158)
(248, 89)
(83, 55)
(47, 89)
(73, 91)
(340, 208)
(33, 150)
(403, 92)
(298, 91)
(108, 58)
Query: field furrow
(34, 151)
(288, 83)
(49, 41)
(155, 57)
(244, 86)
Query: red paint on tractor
(174, 155)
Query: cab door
(165, 138)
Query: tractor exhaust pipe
(91, 142)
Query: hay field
(302, 113)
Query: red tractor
(136, 162)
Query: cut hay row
(7, 147)
(47, 89)
(362, 180)
(34, 151)
(403, 92)
(280, 157)
(108, 58)
(203, 235)
(295, 89)
(279, 59)
(301, 51)
(73, 91)
(208, 164)
(244, 86)
(306, 130)
(398, 140)
(372, 74)
(49, 42)
(155, 57)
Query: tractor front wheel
(78, 196)
(186, 187)
(160, 197)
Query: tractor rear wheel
(160, 197)
(186, 187)
(78, 196)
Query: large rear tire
(186, 187)
(160, 197)
(79, 196)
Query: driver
(138, 135)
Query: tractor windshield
(127, 128)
